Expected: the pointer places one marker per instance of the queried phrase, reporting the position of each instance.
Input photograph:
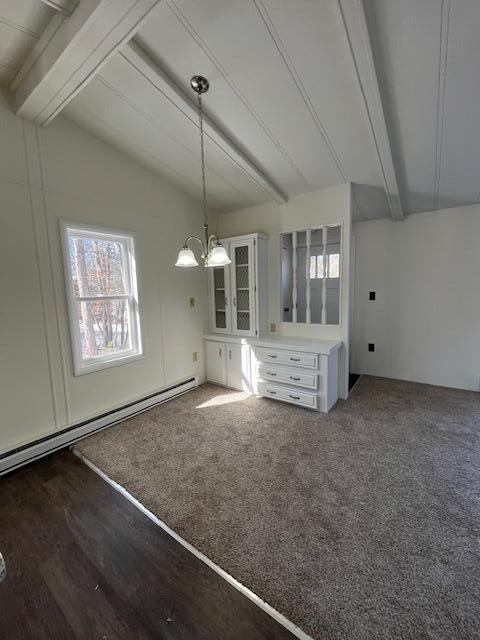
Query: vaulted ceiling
(304, 94)
(427, 55)
(22, 22)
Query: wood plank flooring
(84, 563)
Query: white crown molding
(356, 31)
(72, 51)
(161, 82)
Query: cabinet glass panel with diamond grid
(238, 292)
(220, 292)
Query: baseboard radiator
(16, 458)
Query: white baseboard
(24, 455)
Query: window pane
(316, 250)
(98, 266)
(333, 276)
(287, 276)
(313, 270)
(104, 327)
(301, 276)
(334, 265)
(320, 264)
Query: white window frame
(83, 365)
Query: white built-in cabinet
(215, 362)
(301, 372)
(228, 364)
(240, 353)
(238, 292)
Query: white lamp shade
(217, 257)
(186, 258)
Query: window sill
(81, 370)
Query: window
(310, 275)
(103, 299)
(333, 266)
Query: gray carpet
(364, 523)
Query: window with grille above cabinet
(311, 275)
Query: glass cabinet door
(243, 288)
(220, 296)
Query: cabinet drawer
(288, 395)
(280, 356)
(288, 376)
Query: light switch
(192, 302)
(195, 356)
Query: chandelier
(213, 253)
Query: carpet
(363, 523)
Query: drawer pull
(269, 373)
(294, 397)
(296, 379)
(274, 393)
(270, 356)
(295, 359)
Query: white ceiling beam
(64, 6)
(71, 52)
(161, 82)
(356, 30)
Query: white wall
(61, 172)
(310, 210)
(425, 321)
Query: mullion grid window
(103, 297)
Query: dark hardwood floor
(83, 562)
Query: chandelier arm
(213, 240)
(187, 240)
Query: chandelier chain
(202, 154)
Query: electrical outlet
(371, 346)
(195, 356)
(192, 302)
(273, 327)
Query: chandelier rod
(202, 156)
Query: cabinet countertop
(323, 347)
